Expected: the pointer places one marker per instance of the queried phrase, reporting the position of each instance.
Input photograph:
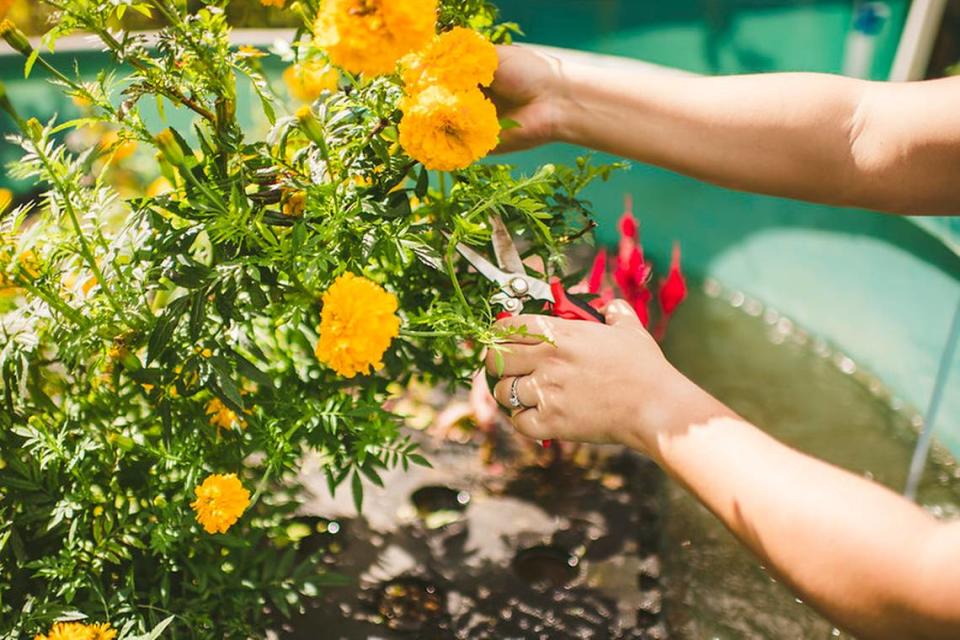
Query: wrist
(675, 405)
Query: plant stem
(85, 250)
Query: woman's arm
(867, 559)
(822, 138)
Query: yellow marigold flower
(273, 3)
(307, 81)
(357, 325)
(446, 130)
(78, 631)
(223, 417)
(459, 59)
(370, 36)
(5, 7)
(6, 199)
(221, 500)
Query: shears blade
(514, 285)
(504, 248)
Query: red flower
(632, 271)
(673, 289)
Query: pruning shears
(516, 285)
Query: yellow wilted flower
(78, 631)
(221, 500)
(370, 36)
(459, 59)
(159, 187)
(121, 150)
(306, 81)
(446, 130)
(223, 417)
(70, 281)
(357, 325)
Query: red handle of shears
(571, 308)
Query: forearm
(813, 137)
(870, 561)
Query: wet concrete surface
(464, 550)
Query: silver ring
(515, 402)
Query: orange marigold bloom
(273, 3)
(223, 417)
(307, 81)
(446, 130)
(357, 325)
(370, 36)
(221, 500)
(78, 631)
(459, 59)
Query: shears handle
(571, 308)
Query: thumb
(619, 312)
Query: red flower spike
(628, 224)
(673, 290)
(597, 272)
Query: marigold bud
(170, 148)
(310, 125)
(15, 38)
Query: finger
(515, 359)
(529, 329)
(527, 392)
(529, 422)
(619, 312)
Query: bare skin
(821, 138)
(870, 561)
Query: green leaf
(154, 633)
(31, 60)
(423, 183)
(357, 488)
(165, 327)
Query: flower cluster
(357, 325)
(632, 273)
(221, 500)
(448, 122)
(78, 631)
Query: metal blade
(538, 289)
(504, 248)
(484, 266)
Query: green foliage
(135, 312)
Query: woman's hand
(591, 382)
(526, 89)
